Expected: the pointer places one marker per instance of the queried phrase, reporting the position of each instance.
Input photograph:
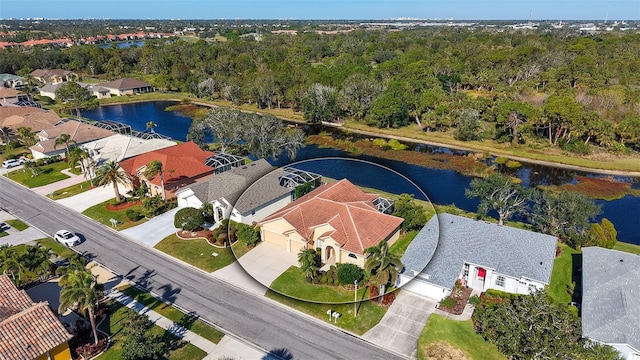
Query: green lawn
(3, 233)
(196, 252)
(171, 313)
(369, 313)
(17, 224)
(239, 249)
(564, 268)
(400, 246)
(626, 247)
(70, 190)
(292, 283)
(112, 325)
(48, 174)
(459, 334)
(56, 247)
(100, 213)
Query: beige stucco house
(337, 218)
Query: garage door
(296, 247)
(419, 286)
(274, 238)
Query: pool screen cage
(295, 177)
(223, 162)
(383, 205)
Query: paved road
(270, 326)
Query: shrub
(373, 292)
(248, 234)
(447, 303)
(388, 298)
(348, 273)
(474, 300)
(188, 219)
(323, 279)
(133, 215)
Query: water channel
(441, 186)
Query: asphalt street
(269, 326)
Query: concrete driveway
(267, 261)
(89, 198)
(48, 189)
(16, 237)
(153, 231)
(235, 275)
(401, 326)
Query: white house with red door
(482, 255)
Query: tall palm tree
(10, 263)
(64, 139)
(110, 173)
(36, 259)
(80, 289)
(154, 168)
(151, 126)
(382, 265)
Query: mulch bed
(123, 206)
(184, 234)
(461, 302)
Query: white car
(8, 164)
(67, 238)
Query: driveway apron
(153, 231)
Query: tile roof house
(484, 255)
(245, 194)
(183, 164)
(29, 330)
(339, 218)
(14, 117)
(79, 132)
(12, 96)
(52, 76)
(611, 299)
(127, 87)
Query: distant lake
(441, 186)
(122, 44)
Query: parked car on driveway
(4, 226)
(67, 238)
(8, 164)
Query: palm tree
(80, 289)
(308, 260)
(36, 259)
(151, 126)
(10, 264)
(110, 173)
(63, 139)
(154, 168)
(89, 166)
(382, 265)
(27, 137)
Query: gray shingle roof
(233, 183)
(510, 251)
(611, 296)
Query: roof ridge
(354, 226)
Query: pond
(441, 186)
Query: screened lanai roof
(114, 126)
(223, 162)
(149, 135)
(295, 177)
(383, 205)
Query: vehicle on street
(4, 226)
(67, 238)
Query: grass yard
(17, 224)
(57, 248)
(196, 252)
(112, 325)
(626, 247)
(292, 283)
(564, 268)
(70, 190)
(369, 313)
(101, 214)
(458, 334)
(173, 314)
(401, 245)
(48, 174)
(239, 249)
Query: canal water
(441, 186)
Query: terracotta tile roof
(79, 132)
(27, 329)
(6, 92)
(13, 117)
(350, 211)
(40, 73)
(182, 162)
(125, 84)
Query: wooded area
(567, 90)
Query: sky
(323, 9)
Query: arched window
(352, 255)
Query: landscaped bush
(248, 234)
(133, 215)
(388, 298)
(373, 292)
(188, 219)
(348, 273)
(447, 303)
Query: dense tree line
(571, 91)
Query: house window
(253, 212)
(500, 281)
(352, 256)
